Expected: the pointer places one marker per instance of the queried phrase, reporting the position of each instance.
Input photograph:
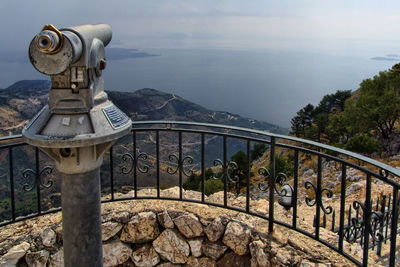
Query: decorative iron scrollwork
(327, 210)
(180, 165)
(285, 193)
(358, 225)
(229, 167)
(280, 180)
(134, 163)
(36, 179)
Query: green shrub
(212, 186)
(258, 150)
(282, 165)
(363, 144)
(193, 182)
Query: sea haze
(266, 85)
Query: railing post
(202, 167)
(393, 229)
(382, 224)
(158, 161)
(11, 173)
(342, 207)
(225, 172)
(367, 220)
(248, 177)
(271, 186)
(37, 177)
(180, 164)
(135, 162)
(318, 196)
(295, 187)
(388, 215)
(111, 173)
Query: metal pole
(81, 219)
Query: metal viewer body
(76, 128)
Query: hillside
(20, 101)
(364, 121)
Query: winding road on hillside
(166, 102)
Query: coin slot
(65, 152)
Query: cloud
(208, 23)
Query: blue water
(265, 85)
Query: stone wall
(152, 236)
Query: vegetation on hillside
(363, 121)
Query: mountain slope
(151, 104)
(22, 100)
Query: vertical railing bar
(225, 170)
(318, 197)
(357, 214)
(202, 167)
(38, 180)
(349, 223)
(393, 230)
(180, 164)
(333, 221)
(374, 243)
(362, 229)
(295, 187)
(271, 186)
(377, 204)
(135, 162)
(11, 173)
(349, 219)
(324, 220)
(373, 231)
(248, 177)
(362, 236)
(112, 172)
(382, 223)
(367, 216)
(342, 207)
(387, 220)
(158, 161)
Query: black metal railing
(296, 183)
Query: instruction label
(115, 116)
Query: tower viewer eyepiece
(48, 41)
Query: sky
(339, 26)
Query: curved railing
(334, 196)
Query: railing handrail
(389, 169)
(383, 166)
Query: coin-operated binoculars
(76, 128)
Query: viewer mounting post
(76, 128)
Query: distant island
(393, 55)
(389, 57)
(111, 52)
(125, 53)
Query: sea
(270, 86)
